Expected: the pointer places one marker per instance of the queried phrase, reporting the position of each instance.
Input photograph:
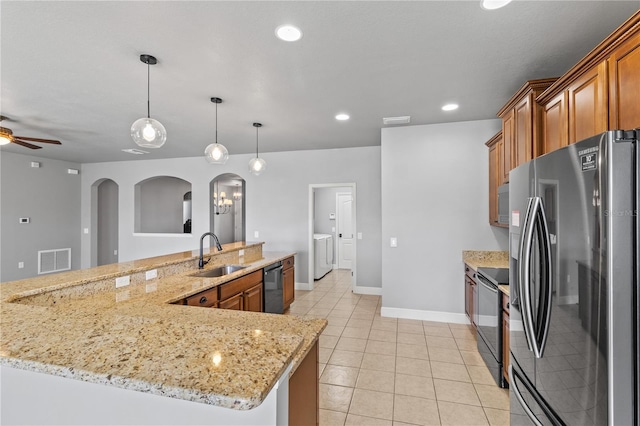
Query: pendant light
(257, 165)
(147, 132)
(216, 153)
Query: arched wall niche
(227, 207)
(161, 205)
(104, 222)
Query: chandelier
(222, 204)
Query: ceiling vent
(135, 151)
(389, 121)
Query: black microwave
(503, 204)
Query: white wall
(435, 202)
(50, 198)
(276, 202)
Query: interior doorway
(332, 218)
(104, 220)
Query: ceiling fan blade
(26, 144)
(38, 140)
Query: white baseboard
(424, 315)
(376, 291)
(303, 286)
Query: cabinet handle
(203, 299)
(466, 269)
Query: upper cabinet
(624, 85)
(599, 93)
(496, 175)
(522, 125)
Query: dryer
(323, 255)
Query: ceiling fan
(7, 137)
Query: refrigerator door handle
(514, 385)
(524, 274)
(544, 305)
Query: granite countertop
(486, 259)
(78, 325)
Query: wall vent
(54, 260)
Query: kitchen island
(160, 361)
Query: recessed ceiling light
(342, 117)
(405, 119)
(493, 4)
(450, 107)
(288, 33)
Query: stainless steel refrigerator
(573, 268)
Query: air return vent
(54, 260)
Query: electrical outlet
(393, 242)
(256, 234)
(241, 252)
(115, 252)
(20, 265)
(359, 235)
(86, 230)
(149, 275)
(123, 281)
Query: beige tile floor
(388, 371)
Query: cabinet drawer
(287, 263)
(205, 299)
(505, 303)
(239, 285)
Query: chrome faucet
(201, 261)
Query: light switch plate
(359, 235)
(256, 234)
(393, 242)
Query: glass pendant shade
(148, 133)
(216, 153)
(257, 166)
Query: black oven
(489, 319)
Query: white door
(344, 232)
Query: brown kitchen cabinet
(505, 336)
(252, 299)
(304, 391)
(624, 85)
(587, 103)
(471, 293)
(244, 293)
(555, 124)
(522, 125)
(597, 94)
(495, 145)
(288, 281)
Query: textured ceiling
(70, 70)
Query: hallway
(389, 371)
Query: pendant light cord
(148, 90)
(257, 141)
(216, 122)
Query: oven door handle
(488, 287)
(513, 380)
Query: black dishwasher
(273, 297)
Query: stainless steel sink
(219, 271)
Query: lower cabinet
(288, 281)
(304, 391)
(242, 294)
(505, 336)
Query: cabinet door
(494, 180)
(522, 148)
(234, 302)
(624, 85)
(554, 124)
(588, 104)
(288, 286)
(474, 303)
(508, 140)
(467, 297)
(253, 299)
